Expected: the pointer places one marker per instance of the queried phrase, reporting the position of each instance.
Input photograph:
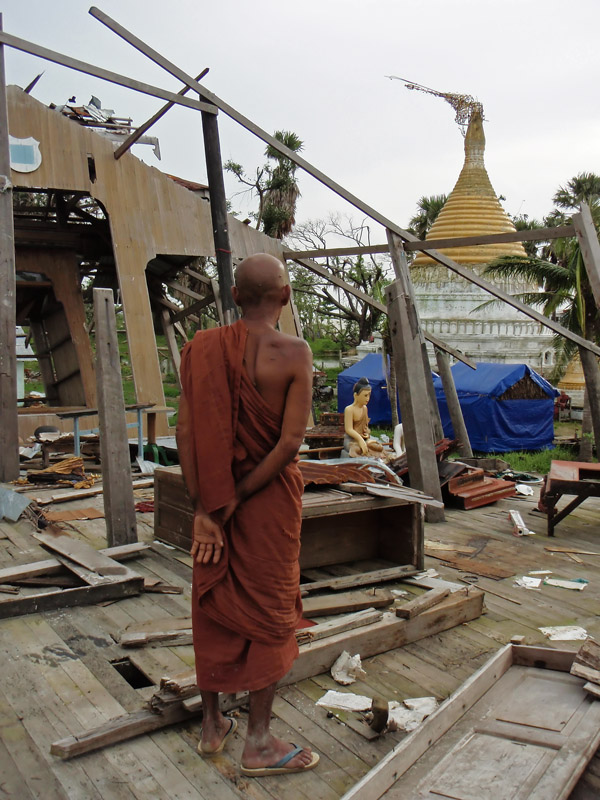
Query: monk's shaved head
(260, 280)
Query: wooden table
(569, 477)
(150, 409)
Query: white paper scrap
(429, 573)
(410, 714)
(345, 701)
(347, 669)
(579, 583)
(527, 582)
(540, 572)
(565, 633)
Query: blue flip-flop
(232, 729)
(279, 768)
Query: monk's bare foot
(214, 731)
(270, 751)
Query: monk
(246, 394)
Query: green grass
(537, 461)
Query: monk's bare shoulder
(296, 349)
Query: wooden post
(454, 409)
(9, 419)
(406, 337)
(218, 210)
(591, 373)
(590, 247)
(436, 421)
(169, 332)
(119, 507)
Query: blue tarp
(370, 367)
(496, 425)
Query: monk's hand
(363, 447)
(207, 539)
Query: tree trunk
(586, 441)
(592, 385)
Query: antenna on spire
(464, 105)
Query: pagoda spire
(472, 208)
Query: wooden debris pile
(76, 575)
(367, 631)
(587, 666)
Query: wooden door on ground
(530, 736)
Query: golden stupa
(472, 208)
(573, 379)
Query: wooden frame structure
(567, 753)
(411, 372)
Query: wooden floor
(56, 675)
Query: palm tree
(278, 210)
(428, 209)
(565, 292)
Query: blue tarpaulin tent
(505, 406)
(370, 367)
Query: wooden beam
(405, 235)
(169, 331)
(197, 275)
(139, 132)
(405, 330)
(436, 420)
(9, 426)
(454, 409)
(103, 74)
(119, 506)
(325, 273)
(193, 309)
(590, 248)
(538, 234)
(218, 211)
(591, 373)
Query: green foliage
(428, 209)
(324, 346)
(275, 186)
(537, 461)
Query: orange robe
(245, 608)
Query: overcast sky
(317, 68)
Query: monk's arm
(295, 417)
(207, 536)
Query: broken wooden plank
(51, 566)
(333, 626)
(71, 514)
(592, 688)
(157, 632)
(360, 579)
(67, 598)
(82, 493)
(585, 672)
(160, 587)
(81, 553)
(420, 604)
(576, 550)
(181, 701)
(486, 569)
(346, 602)
(589, 654)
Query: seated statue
(357, 441)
